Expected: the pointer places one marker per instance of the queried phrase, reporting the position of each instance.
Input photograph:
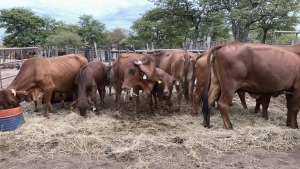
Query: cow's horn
(138, 62)
(14, 92)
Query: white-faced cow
(48, 74)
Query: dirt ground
(115, 139)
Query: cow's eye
(132, 71)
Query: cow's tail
(186, 70)
(205, 109)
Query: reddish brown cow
(201, 78)
(264, 99)
(163, 88)
(132, 70)
(48, 74)
(91, 77)
(255, 69)
(175, 63)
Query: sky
(112, 13)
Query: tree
(91, 31)
(64, 39)
(165, 31)
(196, 16)
(243, 14)
(23, 27)
(117, 35)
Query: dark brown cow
(163, 88)
(175, 63)
(201, 78)
(89, 79)
(48, 74)
(256, 69)
(132, 70)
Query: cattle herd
(260, 70)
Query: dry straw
(177, 140)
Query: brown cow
(91, 77)
(256, 69)
(264, 99)
(175, 63)
(163, 88)
(49, 74)
(132, 70)
(201, 78)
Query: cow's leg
(169, 100)
(289, 106)
(293, 110)
(197, 95)
(265, 101)
(35, 106)
(242, 95)
(179, 95)
(101, 91)
(161, 102)
(213, 95)
(150, 102)
(47, 103)
(94, 98)
(137, 101)
(223, 104)
(118, 95)
(258, 102)
(154, 94)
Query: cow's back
(38, 72)
(171, 62)
(260, 66)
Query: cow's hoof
(195, 114)
(292, 126)
(228, 127)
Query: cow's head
(34, 94)
(140, 73)
(82, 103)
(166, 80)
(10, 98)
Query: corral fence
(14, 57)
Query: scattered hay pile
(179, 140)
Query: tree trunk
(196, 35)
(264, 38)
(245, 33)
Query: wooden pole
(95, 45)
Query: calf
(163, 88)
(89, 79)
